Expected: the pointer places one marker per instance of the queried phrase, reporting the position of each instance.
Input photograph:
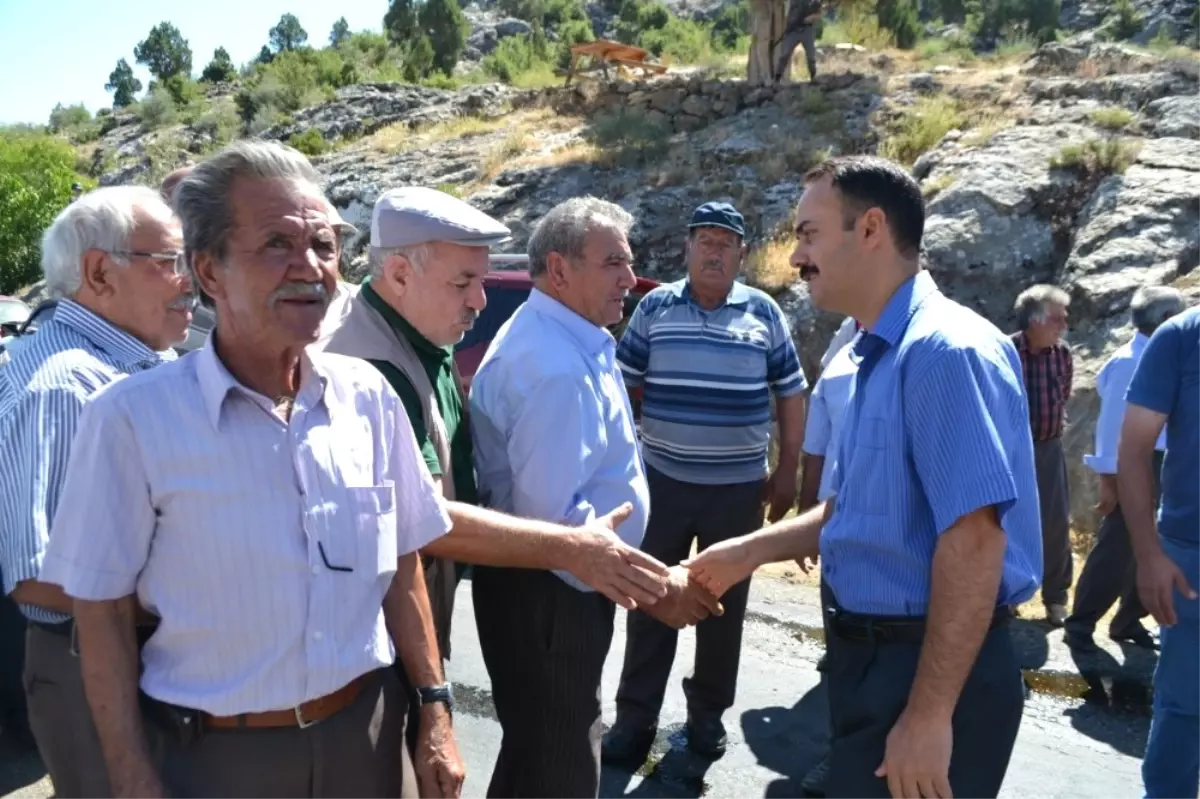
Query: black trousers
(1109, 574)
(544, 644)
(14, 719)
(679, 513)
(869, 684)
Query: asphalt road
(776, 731)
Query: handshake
(678, 596)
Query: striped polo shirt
(706, 379)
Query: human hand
(1107, 501)
(916, 757)
(624, 574)
(779, 492)
(806, 564)
(439, 767)
(1157, 579)
(721, 566)
(686, 602)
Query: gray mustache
(300, 290)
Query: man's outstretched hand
(721, 566)
(686, 602)
(624, 574)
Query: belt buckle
(300, 722)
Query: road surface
(776, 730)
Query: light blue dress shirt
(43, 390)
(937, 427)
(552, 426)
(826, 412)
(1111, 384)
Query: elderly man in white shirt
(267, 503)
(1110, 571)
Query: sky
(55, 51)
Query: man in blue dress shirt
(1165, 391)
(1110, 571)
(554, 440)
(933, 529)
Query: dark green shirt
(438, 363)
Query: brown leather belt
(303, 716)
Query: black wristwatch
(437, 693)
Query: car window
(502, 302)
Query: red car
(506, 290)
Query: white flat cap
(415, 215)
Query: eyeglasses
(328, 565)
(174, 260)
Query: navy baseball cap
(716, 214)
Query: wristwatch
(436, 693)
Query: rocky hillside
(1077, 164)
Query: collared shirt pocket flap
(374, 511)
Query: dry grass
(920, 127)
(987, 127)
(1112, 118)
(1111, 155)
(768, 266)
(575, 153)
(514, 145)
(935, 186)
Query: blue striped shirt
(42, 393)
(937, 427)
(707, 378)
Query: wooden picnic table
(605, 52)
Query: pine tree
(400, 22)
(340, 32)
(287, 34)
(123, 84)
(220, 69)
(446, 26)
(164, 52)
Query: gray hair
(1031, 303)
(1153, 305)
(202, 197)
(564, 229)
(103, 219)
(417, 254)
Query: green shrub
(64, 117)
(36, 173)
(1125, 20)
(1112, 118)
(515, 55)
(310, 142)
(157, 110)
(900, 17)
(221, 122)
(629, 137)
(680, 41)
(1110, 155)
(731, 25)
(919, 128)
(992, 19)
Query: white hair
(417, 254)
(1031, 304)
(564, 229)
(103, 219)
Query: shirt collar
(900, 308)
(401, 326)
(127, 350)
(216, 382)
(738, 295)
(1140, 340)
(594, 340)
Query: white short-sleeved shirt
(826, 409)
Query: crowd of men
(238, 567)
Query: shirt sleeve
(106, 519)
(633, 353)
(960, 429)
(416, 414)
(35, 452)
(1111, 384)
(421, 515)
(784, 374)
(817, 428)
(1155, 383)
(551, 453)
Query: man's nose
(798, 258)
(477, 298)
(628, 280)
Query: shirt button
(318, 635)
(316, 569)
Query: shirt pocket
(865, 486)
(374, 512)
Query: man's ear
(95, 270)
(397, 272)
(205, 272)
(556, 270)
(872, 225)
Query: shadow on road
(19, 766)
(789, 741)
(1124, 730)
(670, 770)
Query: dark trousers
(869, 685)
(355, 752)
(679, 513)
(1054, 496)
(14, 717)
(1109, 574)
(806, 36)
(60, 717)
(544, 644)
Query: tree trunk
(767, 18)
